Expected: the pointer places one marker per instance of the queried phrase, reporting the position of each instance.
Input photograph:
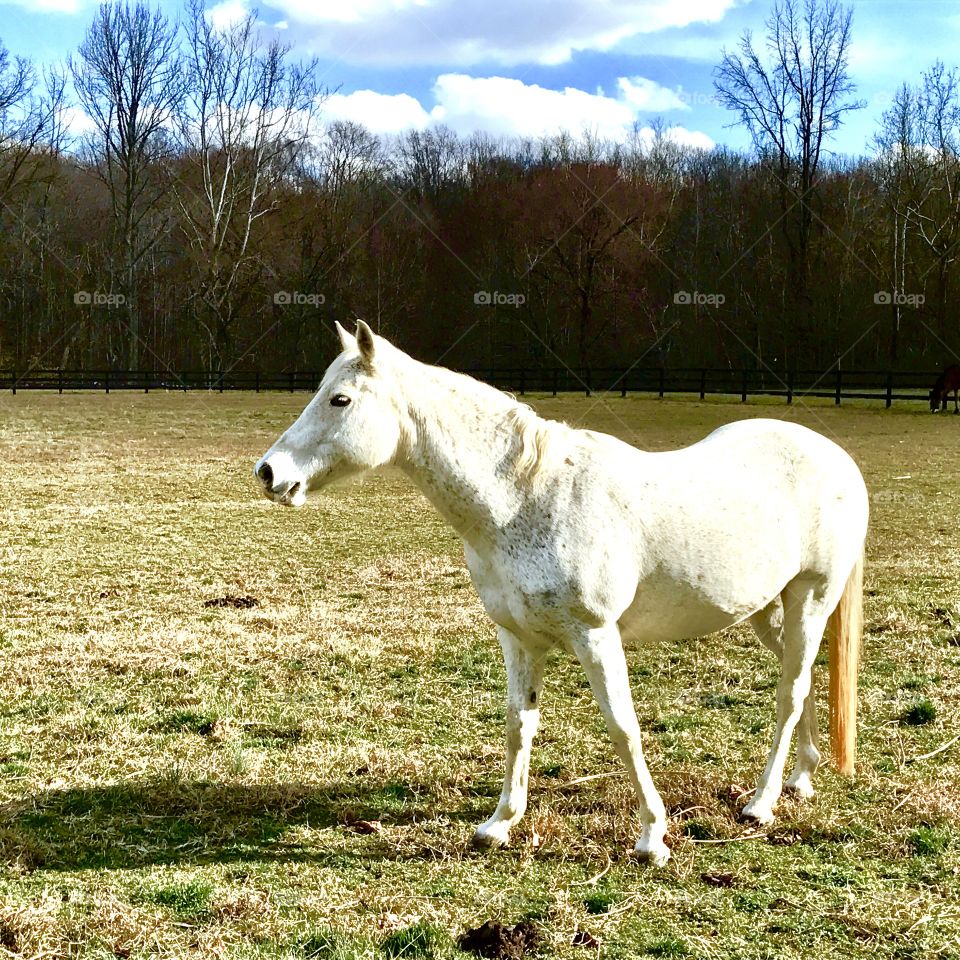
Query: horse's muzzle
(280, 485)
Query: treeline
(211, 219)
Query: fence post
(889, 388)
(522, 381)
(623, 384)
(743, 386)
(106, 381)
(703, 383)
(789, 387)
(60, 380)
(661, 382)
(13, 381)
(258, 381)
(146, 381)
(837, 395)
(291, 381)
(587, 380)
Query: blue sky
(520, 67)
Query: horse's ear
(346, 339)
(365, 343)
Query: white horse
(575, 538)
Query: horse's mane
(537, 439)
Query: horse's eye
(340, 400)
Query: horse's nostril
(265, 473)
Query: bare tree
(791, 101)
(249, 116)
(31, 126)
(430, 162)
(127, 78)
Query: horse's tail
(846, 630)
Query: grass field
(301, 778)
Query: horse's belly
(669, 609)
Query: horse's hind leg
(768, 625)
(524, 686)
(804, 619)
(601, 653)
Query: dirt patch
(500, 942)
(239, 603)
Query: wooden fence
(837, 384)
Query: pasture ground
(179, 780)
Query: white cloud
(77, 122)
(508, 107)
(468, 32)
(227, 13)
(379, 112)
(647, 95)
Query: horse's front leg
(600, 651)
(524, 685)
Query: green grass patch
(187, 899)
(919, 713)
(422, 941)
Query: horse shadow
(136, 824)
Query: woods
(211, 218)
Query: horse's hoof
(756, 815)
(491, 837)
(800, 787)
(654, 855)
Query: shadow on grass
(137, 824)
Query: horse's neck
(458, 446)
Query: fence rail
(885, 386)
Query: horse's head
(352, 424)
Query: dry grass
(184, 781)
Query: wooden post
(556, 376)
(837, 394)
(743, 388)
(789, 387)
(13, 381)
(587, 380)
(889, 388)
(60, 380)
(106, 381)
(662, 375)
(703, 383)
(258, 381)
(522, 382)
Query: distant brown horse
(947, 382)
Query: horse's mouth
(294, 496)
